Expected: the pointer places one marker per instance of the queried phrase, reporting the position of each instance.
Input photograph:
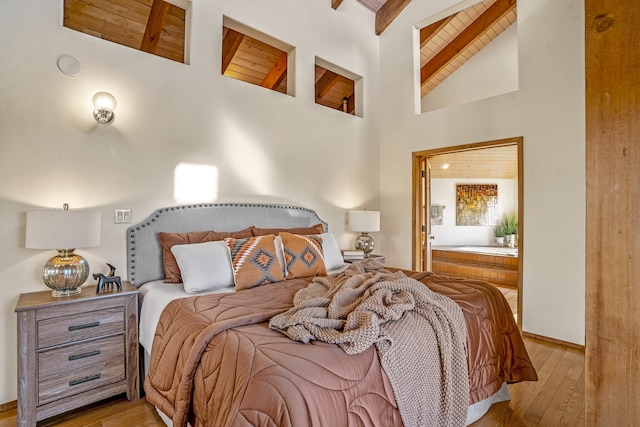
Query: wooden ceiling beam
(474, 31)
(277, 73)
(388, 12)
(230, 44)
(325, 83)
(153, 30)
(427, 33)
(336, 3)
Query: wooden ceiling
(158, 27)
(448, 43)
(386, 10)
(151, 26)
(487, 163)
(253, 61)
(334, 90)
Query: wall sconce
(104, 104)
(364, 222)
(63, 230)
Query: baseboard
(554, 341)
(9, 406)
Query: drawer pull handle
(83, 355)
(84, 380)
(85, 326)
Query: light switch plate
(123, 216)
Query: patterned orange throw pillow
(303, 256)
(254, 261)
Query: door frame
(422, 217)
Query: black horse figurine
(107, 282)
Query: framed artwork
(477, 204)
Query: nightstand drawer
(69, 370)
(81, 326)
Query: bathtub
(493, 264)
(489, 250)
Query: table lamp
(364, 222)
(65, 231)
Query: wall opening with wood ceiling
(337, 88)
(160, 27)
(257, 58)
(467, 53)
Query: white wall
(443, 192)
(547, 111)
(266, 146)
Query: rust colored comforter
(215, 362)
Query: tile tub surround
(499, 269)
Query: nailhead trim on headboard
(144, 255)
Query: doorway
(489, 160)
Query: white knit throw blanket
(420, 336)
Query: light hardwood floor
(556, 399)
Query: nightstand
(75, 350)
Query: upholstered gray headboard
(144, 254)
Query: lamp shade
(364, 221)
(62, 229)
(104, 104)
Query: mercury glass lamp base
(65, 273)
(365, 243)
(66, 293)
(103, 115)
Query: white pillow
(277, 242)
(332, 255)
(204, 266)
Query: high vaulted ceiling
(448, 43)
(386, 10)
(158, 27)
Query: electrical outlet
(123, 216)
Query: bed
(228, 342)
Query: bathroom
(464, 244)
